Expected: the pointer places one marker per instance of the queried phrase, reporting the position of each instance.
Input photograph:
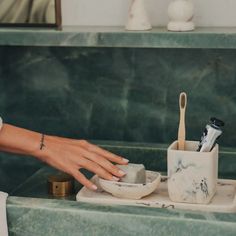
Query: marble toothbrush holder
(192, 175)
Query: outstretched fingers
(84, 181)
(102, 162)
(97, 169)
(108, 155)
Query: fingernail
(94, 187)
(115, 178)
(125, 160)
(122, 172)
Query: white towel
(3, 214)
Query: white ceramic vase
(138, 18)
(181, 13)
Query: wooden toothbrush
(181, 132)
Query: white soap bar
(135, 173)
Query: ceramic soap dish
(132, 191)
(223, 201)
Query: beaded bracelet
(42, 145)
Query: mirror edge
(57, 25)
(58, 14)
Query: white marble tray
(223, 201)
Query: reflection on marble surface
(36, 185)
(117, 93)
(14, 170)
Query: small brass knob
(60, 185)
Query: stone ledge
(82, 36)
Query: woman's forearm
(18, 140)
(67, 155)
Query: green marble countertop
(32, 216)
(31, 211)
(84, 36)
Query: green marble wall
(117, 93)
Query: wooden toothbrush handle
(181, 131)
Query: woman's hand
(71, 155)
(65, 154)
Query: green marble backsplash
(124, 94)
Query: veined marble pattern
(224, 200)
(117, 36)
(114, 94)
(188, 185)
(36, 216)
(30, 216)
(117, 93)
(192, 175)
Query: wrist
(18, 140)
(43, 147)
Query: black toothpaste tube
(210, 135)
